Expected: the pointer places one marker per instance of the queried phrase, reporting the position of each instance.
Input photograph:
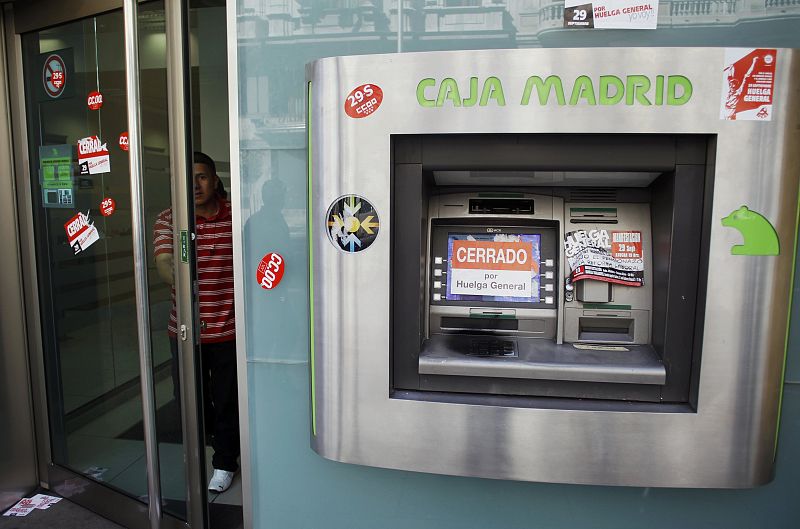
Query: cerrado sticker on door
(81, 232)
(363, 100)
(270, 270)
(93, 156)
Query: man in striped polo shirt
(217, 322)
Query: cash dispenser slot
(501, 206)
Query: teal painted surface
(293, 487)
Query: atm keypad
(504, 348)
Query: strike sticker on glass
(593, 254)
(270, 271)
(611, 14)
(363, 100)
(748, 82)
(108, 206)
(81, 232)
(94, 100)
(93, 156)
(504, 267)
(123, 141)
(54, 75)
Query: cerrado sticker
(270, 271)
(108, 206)
(123, 141)
(81, 232)
(363, 100)
(94, 100)
(93, 156)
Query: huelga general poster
(748, 83)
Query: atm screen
(493, 267)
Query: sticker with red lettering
(108, 206)
(81, 232)
(363, 100)
(270, 271)
(94, 100)
(93, 156)
(626, 244)
(123, 141)
(748, 82)
(22, 508)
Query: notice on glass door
(81, 232)
(55, 176)
(93, 156)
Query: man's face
(205, 185)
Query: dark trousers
(221, 400)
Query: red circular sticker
(94, 100)
(54, 75)
(108, 206)
(270, 271)
(123, 141)
(363, 100)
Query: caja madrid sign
(643, 90)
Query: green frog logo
(760, 237)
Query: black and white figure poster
(614, 257)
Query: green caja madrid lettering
(449, 91)
(671, 90)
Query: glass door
(76, 108)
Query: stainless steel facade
(728, 442)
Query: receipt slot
(528, 265)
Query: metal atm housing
(673, 381)
(626, 337)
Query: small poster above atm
(615, 258)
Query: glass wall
(297, 488)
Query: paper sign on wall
(611, 14)
(93, 156)
(748, 82)
(490, 268)
(81, 232)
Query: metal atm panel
(724, 436)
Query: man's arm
(165, 264)
(162, 244)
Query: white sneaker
(220, 481)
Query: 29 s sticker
(363, 100)
(270, 271)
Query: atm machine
(550, 265)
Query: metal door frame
(22, 18)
